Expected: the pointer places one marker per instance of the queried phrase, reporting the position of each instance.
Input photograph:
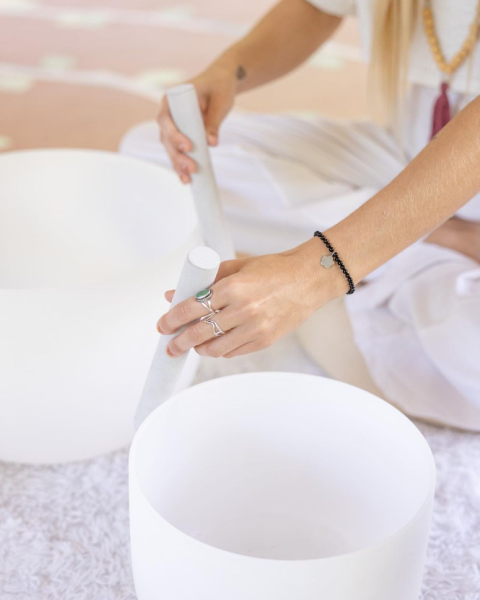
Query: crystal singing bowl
(89, 242)
(279, 486)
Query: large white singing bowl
(89, 242)
(276, 486)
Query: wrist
(232, 66)
(322, 285)
(226, 67)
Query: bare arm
(441, 179)
(280, 42)
(265, 297)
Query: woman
(379, 188)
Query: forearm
(441, 179)
(279, 43)
(262, 298)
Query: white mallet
(198, 273)
(187, 116)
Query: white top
(452, 22)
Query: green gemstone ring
(203, 295)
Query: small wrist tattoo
(241, 73)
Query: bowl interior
(70, 217)
(282, 466)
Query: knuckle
(195, 334)
(175, 346)
(214, 351)
(262, 328)
(164, 324)
(250, 310)
(233, 289)
(185, 313)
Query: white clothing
(452, 23)
(417, 325)
(282, 177)
(417, 322)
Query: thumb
(229, 267)
(215, 114)
(169, 295)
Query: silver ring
(217, 331)
(204, 297)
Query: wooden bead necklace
(441, 111)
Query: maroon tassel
(441, 111)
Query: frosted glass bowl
(89, 242)
(279, 486)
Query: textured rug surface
(64, 529)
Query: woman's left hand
(260, 299)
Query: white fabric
(452, 22)
(418, 328)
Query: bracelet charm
(328, 260)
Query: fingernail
(183, 147)
(170, 353)
(212, 138)
(159, 328)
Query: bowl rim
(157, 413)
(103, 155)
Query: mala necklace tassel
(441, 109)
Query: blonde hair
(394, 22)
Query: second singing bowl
(279, 486)
(89, 242)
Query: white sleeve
(340, 8)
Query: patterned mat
(81, 73)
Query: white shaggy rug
(64, 529)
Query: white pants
(282, 177)
(417, 323)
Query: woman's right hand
(216, 92)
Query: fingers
(191, 310)
(200, 332)
(225, 344)
(247, 348)
(176, 144)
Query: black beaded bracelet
(328, 260)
